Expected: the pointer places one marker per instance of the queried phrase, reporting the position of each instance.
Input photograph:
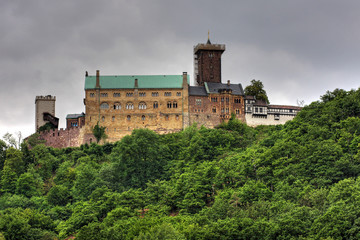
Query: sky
(299, 49)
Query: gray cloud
(299, 49)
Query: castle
(162, 103)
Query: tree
(11, 141)
(256, 88)
(99, 132)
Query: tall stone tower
(207, 62)
(45, 111)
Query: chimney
(228, 82)
(185, 79)
(136, 83)
(97, 79)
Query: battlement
(47, 97)
(211, 47)
(61, 138)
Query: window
(227, 110)
(128, 117)
(155, 94)
(129, 94)
(214, 110)
(276, 117)
(214, 99)
(227, 99)
(237, 111)
(167, 94)
(104, 106)
(116, 94)
(142, 94)
(174, 104)
(237, 100)
(166, 117)
(156, 105)
(113, 118)
(256, 109)
(211, 55)
(103, 94)
(103, 118)
(143, 117)
(142, 105)
(261, 110)
(177, 117)
(222, 99)
(178, 94)
(169, 105)
(130, 105)
(117, 106)
(249, 108)
(198, 101)
(222, 110)
(92, 94)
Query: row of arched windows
(143, 118)
(141, 106)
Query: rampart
(62, 138)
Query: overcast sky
(299, 49)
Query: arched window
(143, 117)
(113, 118)
(156, 105)
(214, 110)
(128, 117)
(129, 105)
(103, 118)
(142, 105)
(174, 104)
(169, 105)
(104, 106)
(117, 105)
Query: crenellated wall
(62, 138)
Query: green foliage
(29, 184)
(58, 195)
(256, 88)
(46, 127)
(295, 181)
(99, 132)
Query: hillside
(296, 181)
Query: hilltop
(292, 181)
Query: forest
(294, 181)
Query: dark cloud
(299, 49)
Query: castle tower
(207, 62)
(45, 111)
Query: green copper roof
(128, 82)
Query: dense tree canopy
(256, 88)
(300, 180)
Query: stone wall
(162, 112)
(208, 112)
(70, 137)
